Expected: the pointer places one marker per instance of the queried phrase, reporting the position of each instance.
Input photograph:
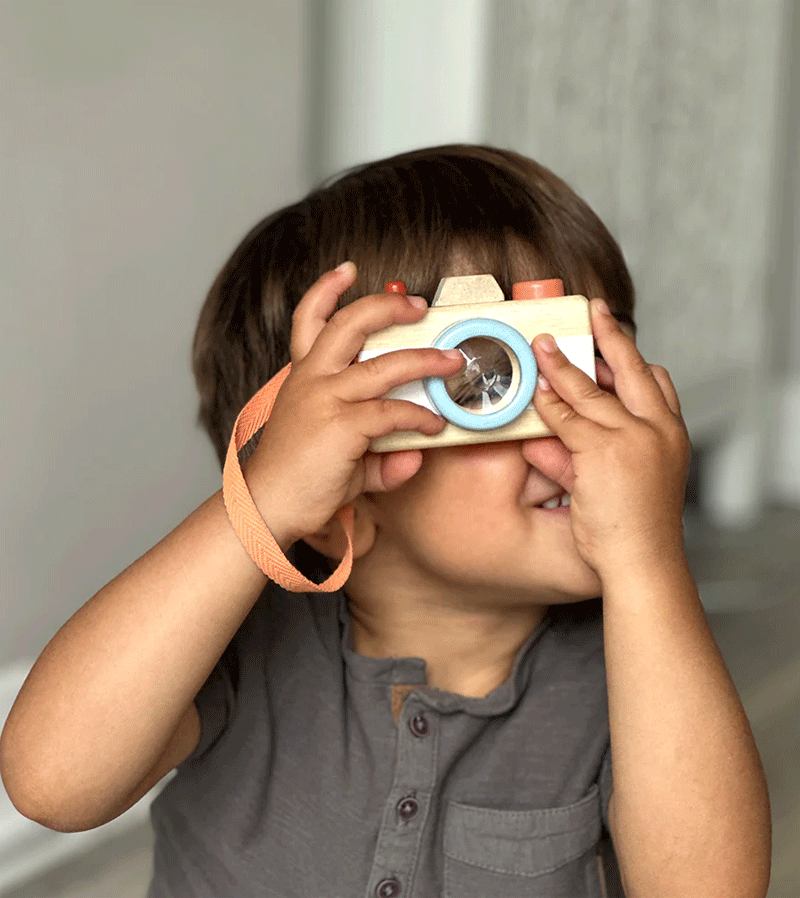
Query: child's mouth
(557, 502)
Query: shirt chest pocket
(523, 854)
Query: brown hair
(415, 217)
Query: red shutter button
(397, 287)
(538, 289)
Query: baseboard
(785, 470)
(27, 850)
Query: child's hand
(630, 451)
(313, 455)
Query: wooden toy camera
(489, 400)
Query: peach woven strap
(245, 517)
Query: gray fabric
(298, 783)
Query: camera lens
(486, 378)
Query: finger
(576, 387)
(575, 431)
(379, 417)
(634, 382)
(667, 388)
(547, 455)
(319, 302)
(389, 470)
(605, 376)
(375, 376)
(343, 336)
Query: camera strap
(245, 517)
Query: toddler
(444, 724)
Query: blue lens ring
(504, 333)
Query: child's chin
(573, 600)
(588, 587)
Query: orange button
(397, 287)
(538, 289)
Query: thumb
(387, 471)
(552, 458)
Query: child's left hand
(630, 450)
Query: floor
(760, 572)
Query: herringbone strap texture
(248, 523)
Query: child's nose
(548, 455)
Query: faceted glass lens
(486, 377)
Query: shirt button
(388, 888)
(419, 725)
(408, 807)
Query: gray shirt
(327, 774)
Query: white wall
(140, 141)
(395, 76)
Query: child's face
(468, 528)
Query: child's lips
(561, 510)
(563, 500)
(558, 498)
(539, 490)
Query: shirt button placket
(408, 808)
(397, 851)
(419, 725)
(388, 888)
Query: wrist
(271, 510)
(282, 531)
(654, 563)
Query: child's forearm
(108, 691)
(691, 810)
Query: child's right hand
(313, 455)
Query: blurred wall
(679, 125)
(676, 122)
(140, 140)
(393, 77)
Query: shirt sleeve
(606, 785)
(214, 705)
(215, 702)
(218, 698)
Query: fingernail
(544, 383)
(602, 307)
(349, 267)
(547, 343)
(418, 302)
(453, 354)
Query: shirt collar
(393, 671)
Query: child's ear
(331, 541)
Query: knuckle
(566, 414)
(679, 436)
(386, 409)
(342, 319)
(640, 366)
(373, 367)
(590, 391)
